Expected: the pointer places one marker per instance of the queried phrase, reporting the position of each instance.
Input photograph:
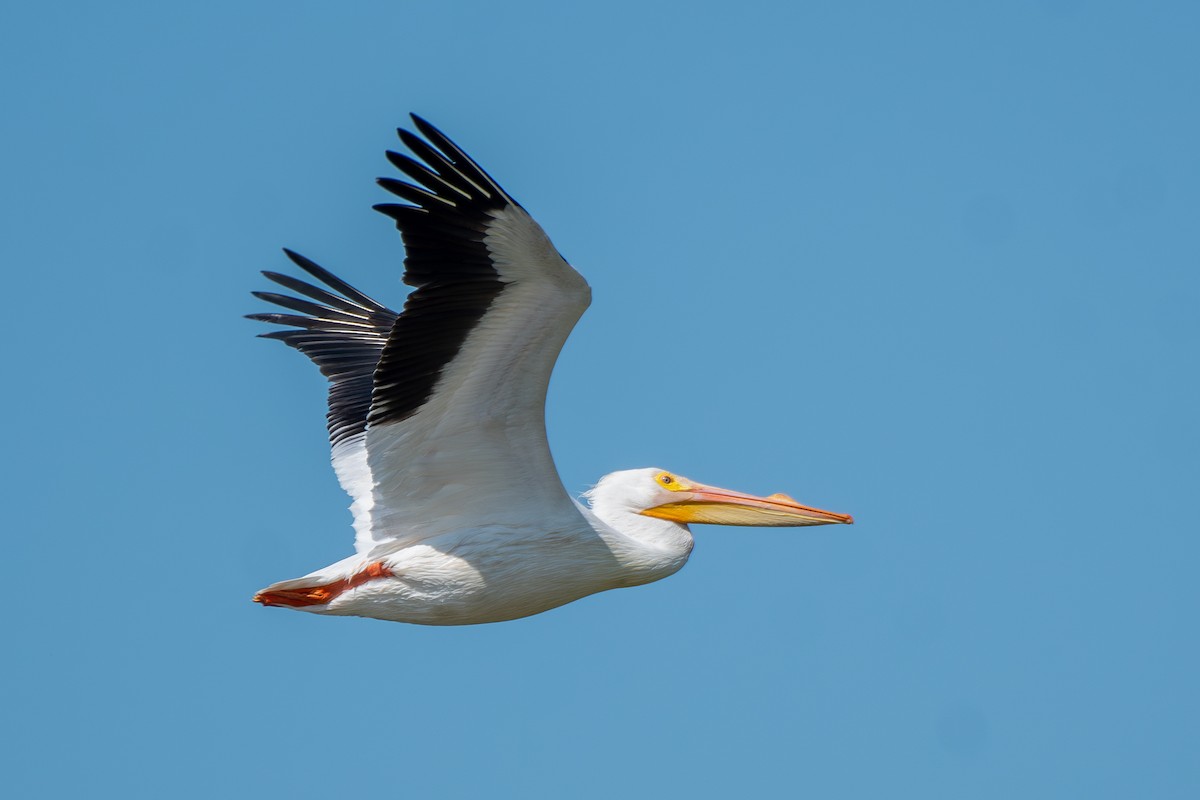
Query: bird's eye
(672, 483)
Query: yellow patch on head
(672, 482)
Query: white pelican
(437, 425)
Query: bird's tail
(316, 589)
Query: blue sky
(932, 264)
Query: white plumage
(438, 431)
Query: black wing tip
(396, 211)
(388, 184)
(422, 124)
(436, 137)
(456, 158)
(433, 136)
(303, 262)
(328, 278)
(311, 267)
(307, 264)
(264, 317)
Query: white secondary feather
(353, 471)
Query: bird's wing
(455, 433)
(343, 332)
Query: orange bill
(714, 506)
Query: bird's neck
(648, 548)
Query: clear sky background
(933, 264)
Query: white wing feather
(437, 415)
(476, 452)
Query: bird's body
(437, 424)
(496, 572)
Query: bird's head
(654, 492)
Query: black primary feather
(383, 366)
(344, 338)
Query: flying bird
(437, 426)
